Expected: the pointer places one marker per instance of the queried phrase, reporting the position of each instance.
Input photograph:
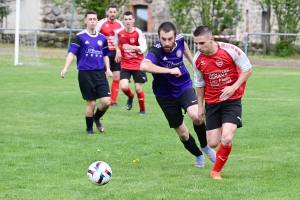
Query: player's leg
(231, 115)
(189, 103)
(85, 79)
(125, 78)
(115, 86)
(139, 78)
(103, 93)
(173, 113)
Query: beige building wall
(30, 14)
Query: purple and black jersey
(90, 50)
(168, 85)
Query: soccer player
(91, 50)
(130, 45)
(172, 87)
(220, 74)
(107, 27)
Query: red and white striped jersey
(108, 29)
(215, 72)
(131, 59)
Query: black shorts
(93, 84)
(114, 66)
(229, 111)
(138, 76)
(172, 108)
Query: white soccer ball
(99, 173)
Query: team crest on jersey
(99, 42)
(178, 53)
(132, 40)
(219, 63)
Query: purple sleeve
(75, 45)
(153, 55)
(106, 51)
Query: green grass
(45, 152)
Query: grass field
(45, 152)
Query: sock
(141, 98)
(115, 86)
(201, 133)
(221, 157)
(128, 93)
(98, 114)
(89, 123)
(191, 146)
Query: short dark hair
(90, 12)
(167, 27)
(111, 6)
(127, 13)
(202, 30)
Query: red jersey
(131, 59)
(108, 29)
(220, 70)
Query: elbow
(143, 67)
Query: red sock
(141, 98)
(115, 86)
(128, 93)
(221, 157)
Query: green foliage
(217, 14)
(99, 6)
(285, 47)
(5, 10)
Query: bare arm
(187, 53)
(68, 62)
(107, 65)
(200, 95)
(148, 66)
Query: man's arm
(148, 66)
(68, 62)
(187, 53)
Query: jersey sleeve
(142, 41)
(99, 25)
(198, 75)
(117, 41)
(238, 56)
(153, 55)
(75, 45)
(106, 51)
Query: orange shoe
(216, 175)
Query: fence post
(246, 42)
(35, 44)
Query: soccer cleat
(99, 126)
(211, 153)
(114, 104)
(199, 161)
(142, 112)
(89, 131)
(216, 175)
(129, 103)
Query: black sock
(191, 146)
(98, 114)
(89, 123)
(201, 133)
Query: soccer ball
(99, 173)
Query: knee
(196, 119)
(213, 144)
(105, 102)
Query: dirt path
(275, 63)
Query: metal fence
(32, 36)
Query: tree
(99, 6)
(217, 14)
(5, 10)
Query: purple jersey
(168, 85)
(90, 50)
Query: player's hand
(201, 113)
(227, 92)
(63, 73)
(175, 71)
(118, 57)
(108, 73)
(127, 46)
